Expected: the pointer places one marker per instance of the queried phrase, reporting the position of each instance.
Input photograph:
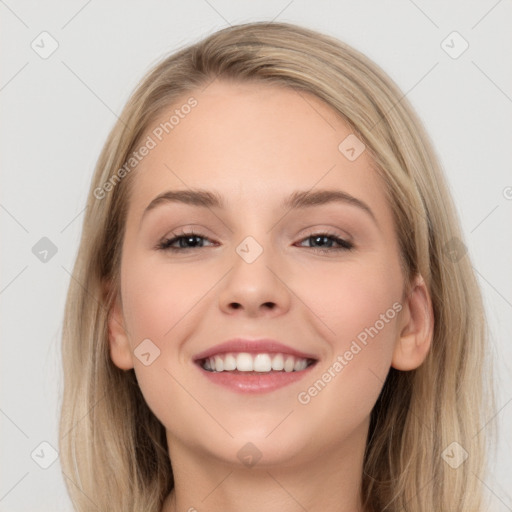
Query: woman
(272, 307)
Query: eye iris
(321, 237)
(193, 239)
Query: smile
(262, 362)
(257, 373)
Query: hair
(113, 449)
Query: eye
(328, 238)
(191, 238)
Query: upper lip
(254, 346)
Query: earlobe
(120, 350)
(416, 329)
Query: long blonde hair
(113, 449)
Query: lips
(254, 366)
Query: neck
(328, 483)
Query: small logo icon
(455, 249)
(44, 455)
(146, 352)
(44, 45)
(44, 250)
(351, 147)
(454, 45)
(249, 455)
(249, 249)
(454, 455)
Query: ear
(120, 350)
(416, 328)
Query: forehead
(255, 122)
(252, 142)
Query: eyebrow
(299, 199)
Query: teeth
(300, 364)
(262, 363)
(245, 362)
(229, 362)
(219, 363)
(289, 364)
(278, 362)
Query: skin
(255, 145)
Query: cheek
(158, 297)
(360, 305)
(351, 297)
(158, 303)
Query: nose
(256, 288)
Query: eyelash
(165, 245)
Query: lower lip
(251, 382)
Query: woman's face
(266, 262)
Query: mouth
(261, 363)
(254, 373)
(244, 365)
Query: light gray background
(57, 112)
